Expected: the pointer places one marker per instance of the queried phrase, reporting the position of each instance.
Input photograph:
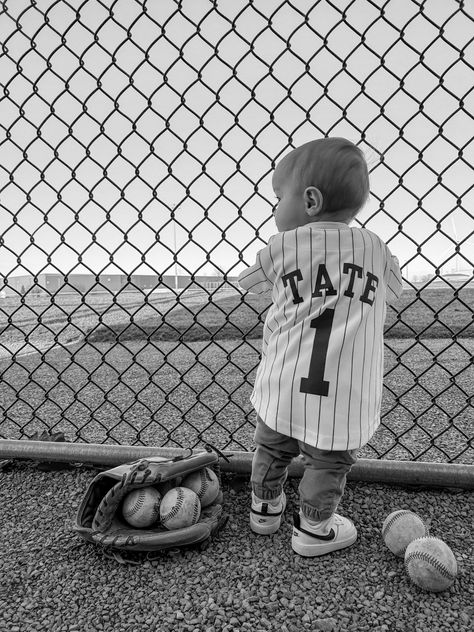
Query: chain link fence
(137, 144)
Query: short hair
(336, 167)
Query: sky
(133, 130)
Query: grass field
(197, 315)
(431, 314)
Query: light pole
(175, 255)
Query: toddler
(318, 386)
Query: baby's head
(323, 180)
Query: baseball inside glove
(99, 518)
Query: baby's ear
(313, 201)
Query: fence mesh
(137, 145)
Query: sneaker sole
(262, 529)
(321, 548)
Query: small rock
(327, 625)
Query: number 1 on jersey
(315, 384)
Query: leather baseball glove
(99, 519)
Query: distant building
(452, 278)
(51, 283)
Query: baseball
(179, 508)
(205, 483)
(400, 528)
(431, 564)
(141, 507)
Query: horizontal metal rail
(416, 473)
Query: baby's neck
(343, 216)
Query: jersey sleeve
(254, 279)
(394, 280)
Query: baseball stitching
(177, 507)
(422, 555)
(137, 505)
(174, 510)
(196, 513)
(394, 519)
(204, 483)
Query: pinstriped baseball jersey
(320, 375)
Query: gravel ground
(180, 394)
(52, 580)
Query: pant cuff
(314, 514)
(266, 494)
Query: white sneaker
(330, 535)
(266, 515)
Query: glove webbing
(217, 466)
